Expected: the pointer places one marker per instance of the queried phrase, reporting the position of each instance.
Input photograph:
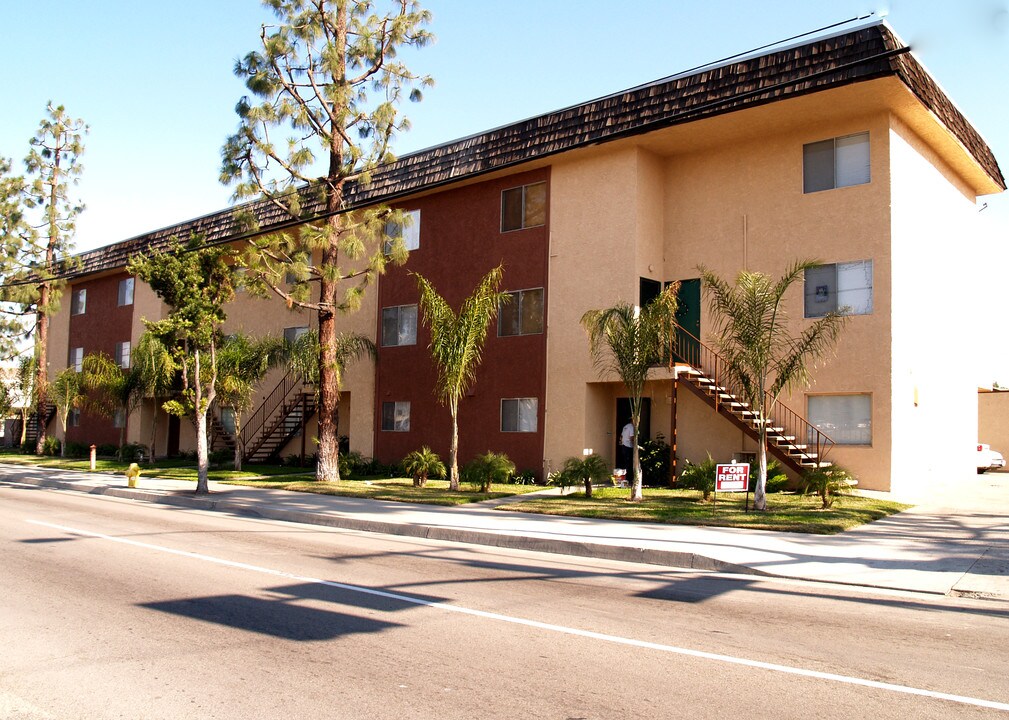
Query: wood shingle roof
(859, 55)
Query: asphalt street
(112, 609)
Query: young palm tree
(242, 363)
(457, 345)
(154, 365)
(422, 464)
(629, 341)
(487, 469)
(67, 391)
(114, 389)
(588, 470)
(303, 358)
(761, 354)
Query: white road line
(803, 672)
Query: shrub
(491, 467)
(352, 463)
(218, 457)
(699, 477)
(525, 477)
(50, 446)
(828, 483)
(654, 456)
(107, 450)
(421, 464)
(133, 452)
(576, 471)
(77, 450)
(777, 480)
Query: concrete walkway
(956, 543)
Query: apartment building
(841, 148)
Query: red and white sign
(732, 478)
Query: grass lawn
(785, 511)
(396, 489)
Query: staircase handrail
(791, 424)
(257, 421)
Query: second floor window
(839, 286)
(292, 334)
(76, 358)
(522, 314)
(125, 292)
(524, 207)
(835, 163)
(123, 355)
(409, 230)
(399, 325)
(79, 301)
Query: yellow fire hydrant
(132, 473)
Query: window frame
(410, 232)
(517, 303)
(518, 415)
(78, 362)
(807, 150)
(129, 283)
(79, 301)
(837, 307)
(396, 404)
(524, 223)
(836, 435)
(124, 351)
(398, 309)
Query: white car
(988, 459)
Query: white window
(76, 358)
(292, 334)
(843, 287)
(119, 418)
(123, 355)
(519, 414)
(399, 325)
(74, 417)
(409, 230)
(845, 419)
(835, 163)
(396, 416)
(522, 314)
(524, 207)
(125, 292)
(79, 301)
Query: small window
(79, 301)
(123, 355)
(409, 230)
(845, 419)
(836, 163)
(522, 314)
(119, 418)
(839, 287)
(125, 292)
(399, 325)
(519, 414)
(76, 358)
(74, 417)
(524, 207)
(648, 290)
(292, 334)
(396, 416)
(228, 420)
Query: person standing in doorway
(626, 447)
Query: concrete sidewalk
(957, 543)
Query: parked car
(988, 459)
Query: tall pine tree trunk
(41, 372)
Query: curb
(620, 553)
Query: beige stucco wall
(935, 411)
(993, 420)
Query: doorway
(172, 448)
(688, 317)
(624, 417)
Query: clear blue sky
(155, 82)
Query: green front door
(688, 317)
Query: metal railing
(782, 421)
(256, 423)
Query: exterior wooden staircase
(796, 442)
(282, 414)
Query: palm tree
(156, 369)
(457, 345)
(67, 391)
(115, 389)
(589, 469)
(628, 341)
(303, 358)
(761, 354)
(422, 464)
(242, 363)
(487, 469)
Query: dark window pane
(509, 415)
(648, 290)
(535, 205)
(388, 415)
(390, 326)
(820, 291)
(511, 209)
(818, 166)
(508, 316)
(532, 312)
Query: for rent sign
(732, 478)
